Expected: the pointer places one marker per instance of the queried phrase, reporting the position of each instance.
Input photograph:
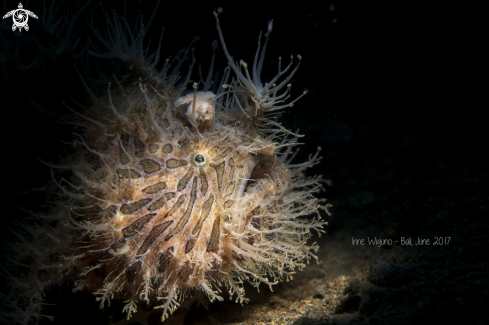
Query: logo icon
(20, 17)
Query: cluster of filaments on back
(243, 99)
(236, 167)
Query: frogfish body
(169, 194)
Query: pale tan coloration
(211, 224)
(200, 110)
(163, 205)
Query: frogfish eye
(199, 158)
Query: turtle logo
(20, 17)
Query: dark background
(395, 100)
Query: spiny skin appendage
(170, 196)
